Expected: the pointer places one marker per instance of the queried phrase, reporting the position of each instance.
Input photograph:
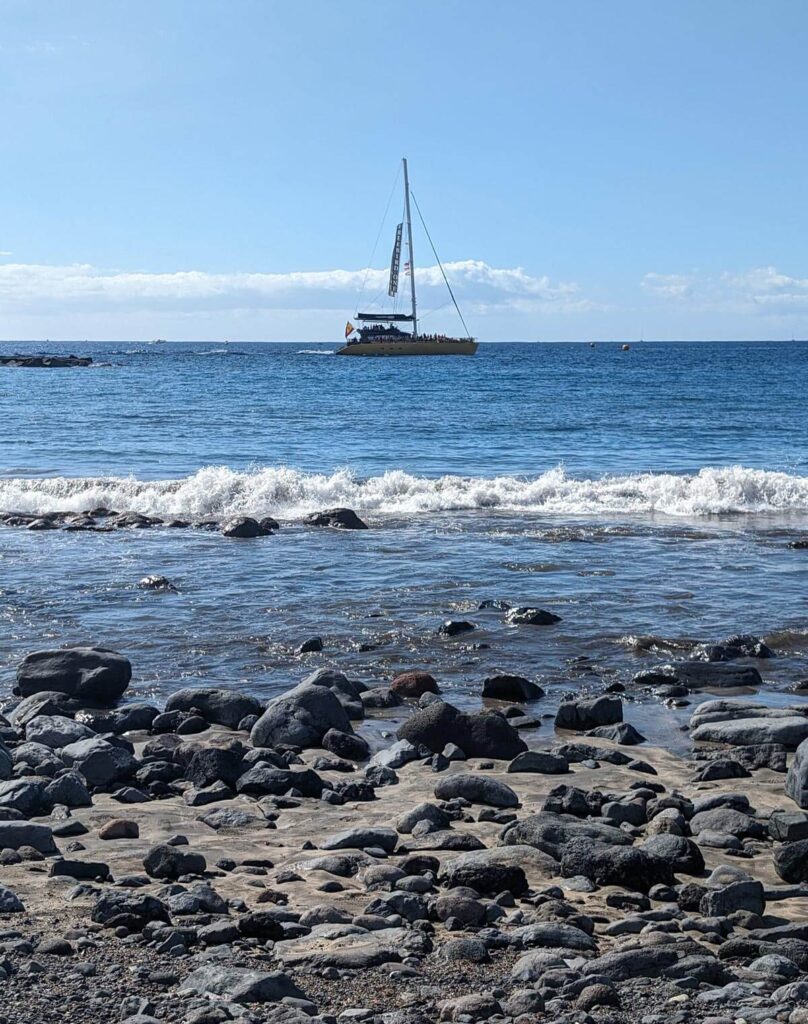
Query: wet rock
(481, 735)
(739, 646)
(339, 518)
(511, 688)
(623, 733)
(531, 617)
(760, 727)
(540, 762)
(300, 718)
(477, 789)
(796, 785)
(346, 744)
(699, 675)
(137, 716)
(95, 673)
(585, 714)
(219, 706)
(163, 861)
(414, 684)
(313, 645)
(455, 627)
(155, 582)
(244, 527)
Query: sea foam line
(291, 494)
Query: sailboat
(397, 334)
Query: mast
(409, 245)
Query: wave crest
(291, 494)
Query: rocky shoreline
(221, 859)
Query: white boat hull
(461, 347)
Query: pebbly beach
(220, 857)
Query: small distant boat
(158, 341)
(383, 336)
(625, 348)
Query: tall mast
(409, 244)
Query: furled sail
(392, 287)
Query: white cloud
(757, 291)
(27, 287)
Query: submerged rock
(531, 617)
(339, 518)
(511, 688)
(589, 713)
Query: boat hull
(461, 347)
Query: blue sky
(199, 169)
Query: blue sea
(647, 497)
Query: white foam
(290, 494)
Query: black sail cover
(392, 287)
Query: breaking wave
(290, 494)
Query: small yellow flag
(349, 328)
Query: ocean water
(647, 497)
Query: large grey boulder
(477, 789)
(790, 731)
(266, 780)
(678, 852)
(219, 706)
(581, 715)
(701, 675)
(10, 902)
(480, 735)
(23, 795)
(102, 764)
(14, 834)
(56, 731)
(94, 673)
(163, 861)
(551, 832)
(136, 716)
(797, 779)
(240, 984)
(511, 688)
(300, 718)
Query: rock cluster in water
(224, 859)
(44, 362)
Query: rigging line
(379, 235)
(443, 272)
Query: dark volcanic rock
(540, 762)
(132, 910)
(484, 876)
(264, 780)
(163, 861)
(455, 627)
(346, 744)
(531, 617)
(213, 764)
(511, 688)
(95, 673)
(630, 867)
(580, 715)
(797, 779)
(14, 834)
(623, 733)
(677, 852)
(300, 718)
(244, 527)
(739, 646)
(101, 763)
(477, 789)
(340, 518)
(552, 833)
(791, 861)
(481, 735)
(220, 706)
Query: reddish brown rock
(414, 684)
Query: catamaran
(396, 333)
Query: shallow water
(642, 494)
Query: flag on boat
(349, 328)
(392, 287)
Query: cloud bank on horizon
(505, 302)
